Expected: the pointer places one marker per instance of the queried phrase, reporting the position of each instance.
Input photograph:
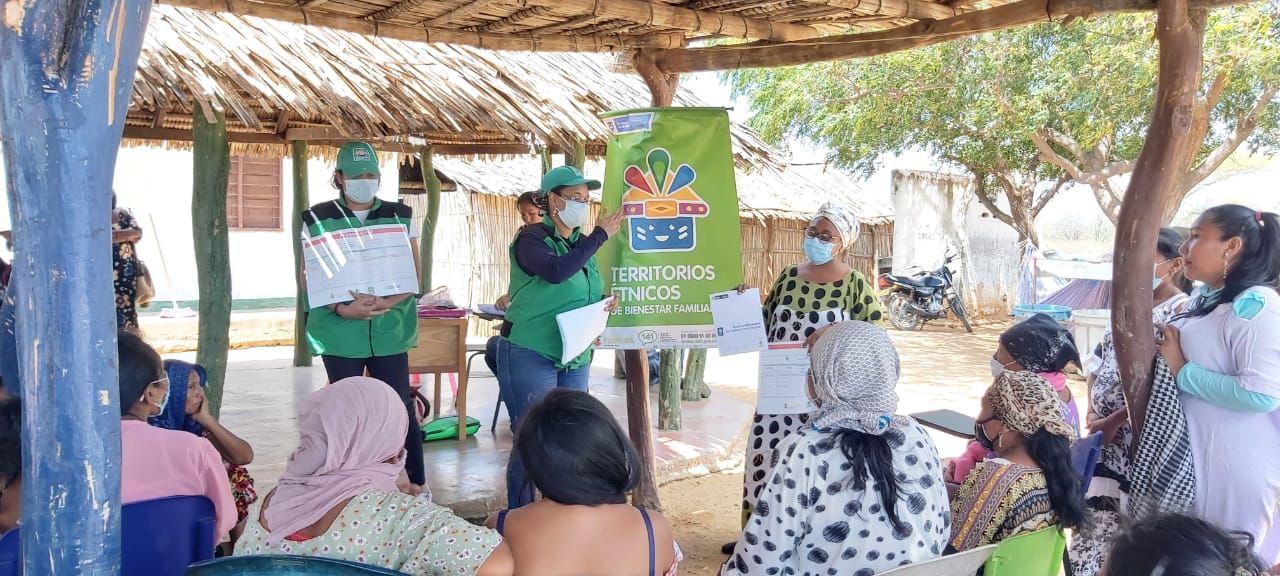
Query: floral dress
(124, 266)
(794, 310)
(389, 530)
(1109, 487)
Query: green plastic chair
(1036, 554)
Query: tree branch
(1041, 140)
(1244, 127)
(1044, 200)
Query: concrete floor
(263, 393)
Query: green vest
(536, 302)
(387, 335)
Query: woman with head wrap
(804, 300)
(187, 410)
(1030, 484)
(338, 497)
(858, 492)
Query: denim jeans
(524, 377)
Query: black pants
(394, 370)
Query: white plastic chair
(963, 564)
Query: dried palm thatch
(278, 82)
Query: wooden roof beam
(528, 42)
(182, 135)
(693, 21)
(922, 33)
(917, 9)
(470, 9)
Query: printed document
(783, 386)
(580, 328)
(738, 322)
(374, 260)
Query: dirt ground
(942, 367)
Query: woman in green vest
(553, 270)
(370, 334)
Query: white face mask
(362, 191)
(996, 368)
(574, 214)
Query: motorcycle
(910, 301)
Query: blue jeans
(524, 377)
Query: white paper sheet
(491, 310)
(580, 328)
(782, 388)
(738, 322)
(373, 260)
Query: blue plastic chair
(282, 565)
(1084, 457)
(158, 537)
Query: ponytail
(871, 455)
(1259, 260)
(1053, 455)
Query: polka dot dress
(795, 309)
(810, 519)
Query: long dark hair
(10, 439)
(1052, 454)
(1182, 546)
(1168, 244)
(574, 451)
(140, 365)
(1259, 260)
(871, 455)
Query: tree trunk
(669, 390)
(1155, 177)
(427, 243)
(212, 254)
(65, 77)
(694, 388)
(301, 203)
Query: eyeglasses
(585, 198)
(812, 232)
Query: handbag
(146, 289)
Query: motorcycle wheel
(900, 314)
(957, 306)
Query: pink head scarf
(348, 431)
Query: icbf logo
(660, 205)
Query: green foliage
(977, 101)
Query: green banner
(670, 171)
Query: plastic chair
(1036, 554)
(1084, 457)
(158, 537)
(282, 565)
(964, 563)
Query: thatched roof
(280, 82)
(764, 191)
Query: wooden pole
(669, 390)
(301, 203)
(694, 388)
(578, 157)
(1180, 32)
(545, 153)
(213, 255)
(426, 250)
(65, 77)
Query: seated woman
(577, 456)
(1038, 345)
(1030, 484)
(338, 498)
(859, 492)
(10, 463)
(188, 411)
(1177, 545)
(158, 463)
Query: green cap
(566, 176)
(356, 158)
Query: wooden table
(442, 349)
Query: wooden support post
(213, 255)
(1180, 32)
(669, 390)
(427, 243)
(65, 79)
(301, 203)
(579, 158)
(545, 152)
(694, 387)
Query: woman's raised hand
(610, 223)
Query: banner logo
(660, 205)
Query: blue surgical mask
(1156, 281)
(574, 214)
(362, 191)
(817, 251)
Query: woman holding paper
(553, 270)
(804, 301)
(368, 333)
